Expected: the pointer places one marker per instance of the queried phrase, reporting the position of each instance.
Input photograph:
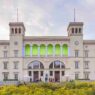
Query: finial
(74, 15)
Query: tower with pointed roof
(75, 33)
(17, 33)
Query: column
(61, 50)
(46, 51)
(53, 76)
(68, 51)
(60, 64)
(53, 64)
(32, 75)
(60, 75)
(53, 50)
(31, 50)
(39, 51)
(23, 51)
(39, 72)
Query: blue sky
(47, 17)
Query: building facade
(47, 58)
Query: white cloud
(91, 2)
(44, 17)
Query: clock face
(76, 43)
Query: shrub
(66, 88)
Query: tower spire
(17, 14)
(74, 15)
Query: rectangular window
(30, 73)
(62, 73)
(5, 54)
(76, 76)
(41, 73)
(5, 75)
(80, 30)
(86, 64)
(5, 65)
(76, 53)
(51, 73)
(86, 53)
(76, 30)
(16, 76)
(15, 53)
(16, 64)
(76, 64)
(86, 75)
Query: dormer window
(72, 30)
(19, 30)
(76, 30)
(15, 30)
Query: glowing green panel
(42, 50)
(50, 49)
(27, 50)
(35, 50)
(65, 50)
(57, 49)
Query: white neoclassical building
(47, 58)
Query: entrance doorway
(36, 76)
(57, 76)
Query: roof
(17, 24)
(89, 42)
(46, 38)
(75, 24)
(4, 42)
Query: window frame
(16, 53)
(76, 53)
(76, 75)
(5, 53)
(76, 64)
(5, 64)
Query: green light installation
(65, 50)
(27, 50)
(57, 49)
(42, 50)
(35, 50)
(50, 49)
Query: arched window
(27, 50)
(57, 49)
(79, 30)
(50, 49)
(57, 65)
(76, 30)
(12, 30)
(65, 50)
(35, 50)
(19, 30)
(72, 30)
(42, 49)
(51, 65)
(15, 30)
(36, 65)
